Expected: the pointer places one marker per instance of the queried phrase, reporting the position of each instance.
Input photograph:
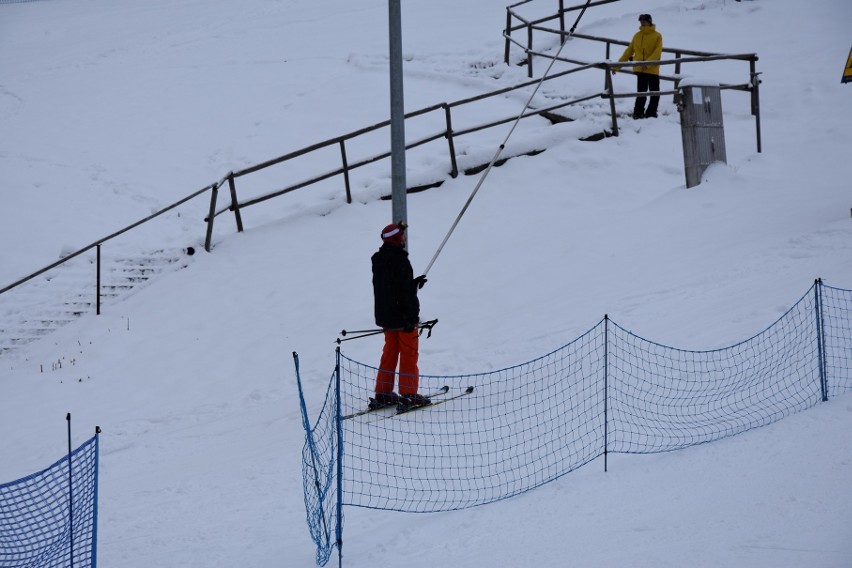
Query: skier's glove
(420, 281)
(409, 328)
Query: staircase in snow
(36, 308)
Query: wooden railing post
(508, 35)
(454, 172)
(529, 51)
(98, 281)
(611, 93)
(345, 172)
(214, 192)
(234, 203)
(676, 97)
(755, 100)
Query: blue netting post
(70, 493)
(339, 423)
(823, 383)
(606, 389)
(95, 499)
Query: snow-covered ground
(112, 109)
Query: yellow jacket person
(646, 45)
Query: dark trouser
(647, 82)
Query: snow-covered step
(38, 307)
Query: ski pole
(427, 325)
(344, 332)
(424, 324)
(376, 332)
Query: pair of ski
(443, 390)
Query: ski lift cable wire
(505, 140)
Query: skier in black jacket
(397, 311)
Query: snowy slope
(110, 110)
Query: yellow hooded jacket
(646, 45)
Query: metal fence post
(339, 422)
(820, 328)
(95, 499)
(606, 390)
(70, 493)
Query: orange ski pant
(400, 346)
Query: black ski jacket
(394, 289)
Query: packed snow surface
(113, 109)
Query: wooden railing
(448, 133)
(99, 243)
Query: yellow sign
(847, 74)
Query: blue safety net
(49, 519)
(607, 391)
(662, 398)
(319, 463)
(836, 308)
